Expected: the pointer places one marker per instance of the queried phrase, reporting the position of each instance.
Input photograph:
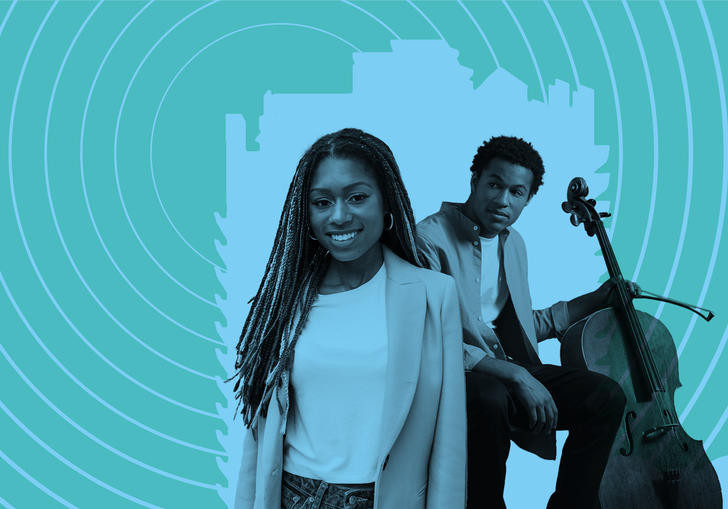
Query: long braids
(297, 265)
(401, 240)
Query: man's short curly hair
(514, 150)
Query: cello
(653, 462)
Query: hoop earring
(391, 221)
(311, 236)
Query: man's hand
(537, 401)
(529, 393)
(606, 294)
(602, 297)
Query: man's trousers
(590, 407)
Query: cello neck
(607, 252)
(632, 323)
(583, 210)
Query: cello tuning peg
(592, 201)
(574, 219)
(566, 206)
(605, 214)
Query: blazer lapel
(516, 269)
(406, 305)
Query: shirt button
(495, 346)
(475, 242)
(477, 280)
(475, 227)
(480, 319)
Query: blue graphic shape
(421, 101)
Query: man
(510, 394)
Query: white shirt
(493, 287)
(338, 379)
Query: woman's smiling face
(346, 208)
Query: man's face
(499, 195)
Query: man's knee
(487, 396)
(488, 406)
(609, 398)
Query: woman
(371, 410)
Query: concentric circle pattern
(148, 147)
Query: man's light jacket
(451, 243)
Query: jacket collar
(406, 305)
(399, 270)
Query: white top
(493, 287)
(338, 379)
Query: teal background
(120, 306)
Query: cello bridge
(658, 431)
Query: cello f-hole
(626, 452)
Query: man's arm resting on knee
(506, 371)
(529, 392)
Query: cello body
(653, 463)
(649, 467)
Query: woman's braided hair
(297, 265)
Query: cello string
(640, 341)
(615, 272)
(668, 415)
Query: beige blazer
(423, 441)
